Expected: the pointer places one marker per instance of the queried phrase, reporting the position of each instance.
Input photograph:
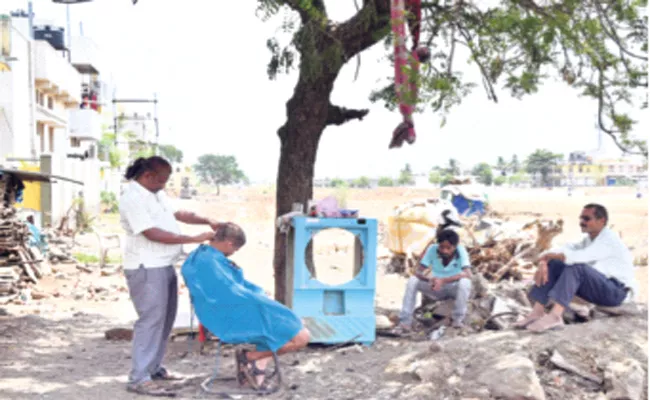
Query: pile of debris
(509, 251)
(20, 263)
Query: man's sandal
(247, 373)
(164, 375)
(150, 388)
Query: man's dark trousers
(567, 281)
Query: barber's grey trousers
(459, 290)
(154, 293)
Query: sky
(206, 60)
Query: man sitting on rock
(599, 269)
(448, 264)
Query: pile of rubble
(20, 264)
(509, 250)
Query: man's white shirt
(606, 254)
(140, 210)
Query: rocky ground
(52, 343)
(67, 357)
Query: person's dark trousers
(567, 281)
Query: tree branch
(339, 115)
(317, 7)
(365, 28)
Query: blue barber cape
(233, 309)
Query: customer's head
(447, 242)
(152, 173)
(593, 218)
(228, 239)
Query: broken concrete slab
(624, 380)
(513, 377)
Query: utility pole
(153, 101)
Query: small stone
(36, 295)
(435, 347)
(383, 322)
(624, 380)
(119, 334)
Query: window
(580, 168)
(40, 98)
(51, 137)
(610, 168)
(75, 142)
(50, 103)
(40, 131)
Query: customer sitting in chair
(236, 310)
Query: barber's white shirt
(140, 210)
(606, 253)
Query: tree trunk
(324, 49)
(307, 113)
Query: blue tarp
(467, 207)
(233, 309)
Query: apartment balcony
(85, 56)
(85, 124)
(51, 117)
(55, 76)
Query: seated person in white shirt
(598, 269)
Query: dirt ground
(53, 348)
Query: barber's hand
(541, 275)
(215, 225)
(204, 237)
(437, 284)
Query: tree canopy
(598, 48)
(219, 170)
(542, 162)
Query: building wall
(33, 123)
(16, 117)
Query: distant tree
(483, 173)
(434, 177)
(406, 176)
(502, 166)
(171, 153)
(499, 180)
(515, 165)
(542, 162)
(516, 179)
(107, 151)
(386, 181)
(219, 170)
(337, 182)
(453, 168)
(446, 179)
(362, 182)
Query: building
(50, 105)
(584, 170)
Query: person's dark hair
(599, 211)
(142, 165)
(232, 232)
(447, 235)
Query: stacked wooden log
(19, 263)
(513, 257)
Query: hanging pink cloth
(406, 78)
